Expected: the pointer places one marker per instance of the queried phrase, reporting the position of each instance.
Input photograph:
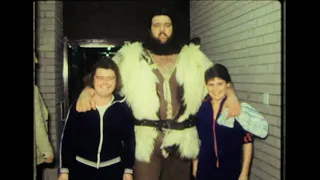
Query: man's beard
(171, 46)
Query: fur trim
(145, 137)
(139, 86)
(192, 64)
(191, 67)
(139, 82)
(187, 140)
(138, 79)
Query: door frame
(85, 43)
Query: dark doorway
(80, 63)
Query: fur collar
(139, 80)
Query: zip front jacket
(99, 139)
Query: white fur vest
(139, 86)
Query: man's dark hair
(174, 43)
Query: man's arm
(231, 92)
(233, 102)
(85, 101)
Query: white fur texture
(187, 140)
(145, 137)
(139, 86)
(192, 64)
(139, 82)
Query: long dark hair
(219, 71)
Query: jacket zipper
(215, 142)
(101, 130)
(214, 131)
(101, 140)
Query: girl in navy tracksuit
(99, 144)
(225, 153)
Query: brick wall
(34, 35)
(284, 89)
(50, 34)
(34, 143)
(245, 36)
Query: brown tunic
(172, 107)
(172, 167)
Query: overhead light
(93, 43)
(97, 45)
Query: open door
(78, 59)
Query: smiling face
(217, 88)
(104, 82)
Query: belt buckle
(159, 128)
(168, 124)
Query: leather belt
(167, 124)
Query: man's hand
(234, 106)
(64, 176)
(86, 102)
(127, 177)
(49, 159)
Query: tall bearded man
(163, 81)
